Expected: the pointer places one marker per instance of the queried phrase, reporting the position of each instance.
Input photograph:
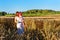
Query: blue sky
(12, 6)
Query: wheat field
(34, 29)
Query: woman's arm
(15, 20)
(23, 21)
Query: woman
(19, 22)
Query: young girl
(19, 22)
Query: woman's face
(19, 15)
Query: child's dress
(20, 28)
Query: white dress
(19, 22)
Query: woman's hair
(18, 13)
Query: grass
(38, 14)
(9, 15)
(33, 14)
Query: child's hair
(18, 13)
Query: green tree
(4, 13)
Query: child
(19, 23)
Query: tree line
(33, 12)
(3, 13)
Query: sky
(11, 6)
